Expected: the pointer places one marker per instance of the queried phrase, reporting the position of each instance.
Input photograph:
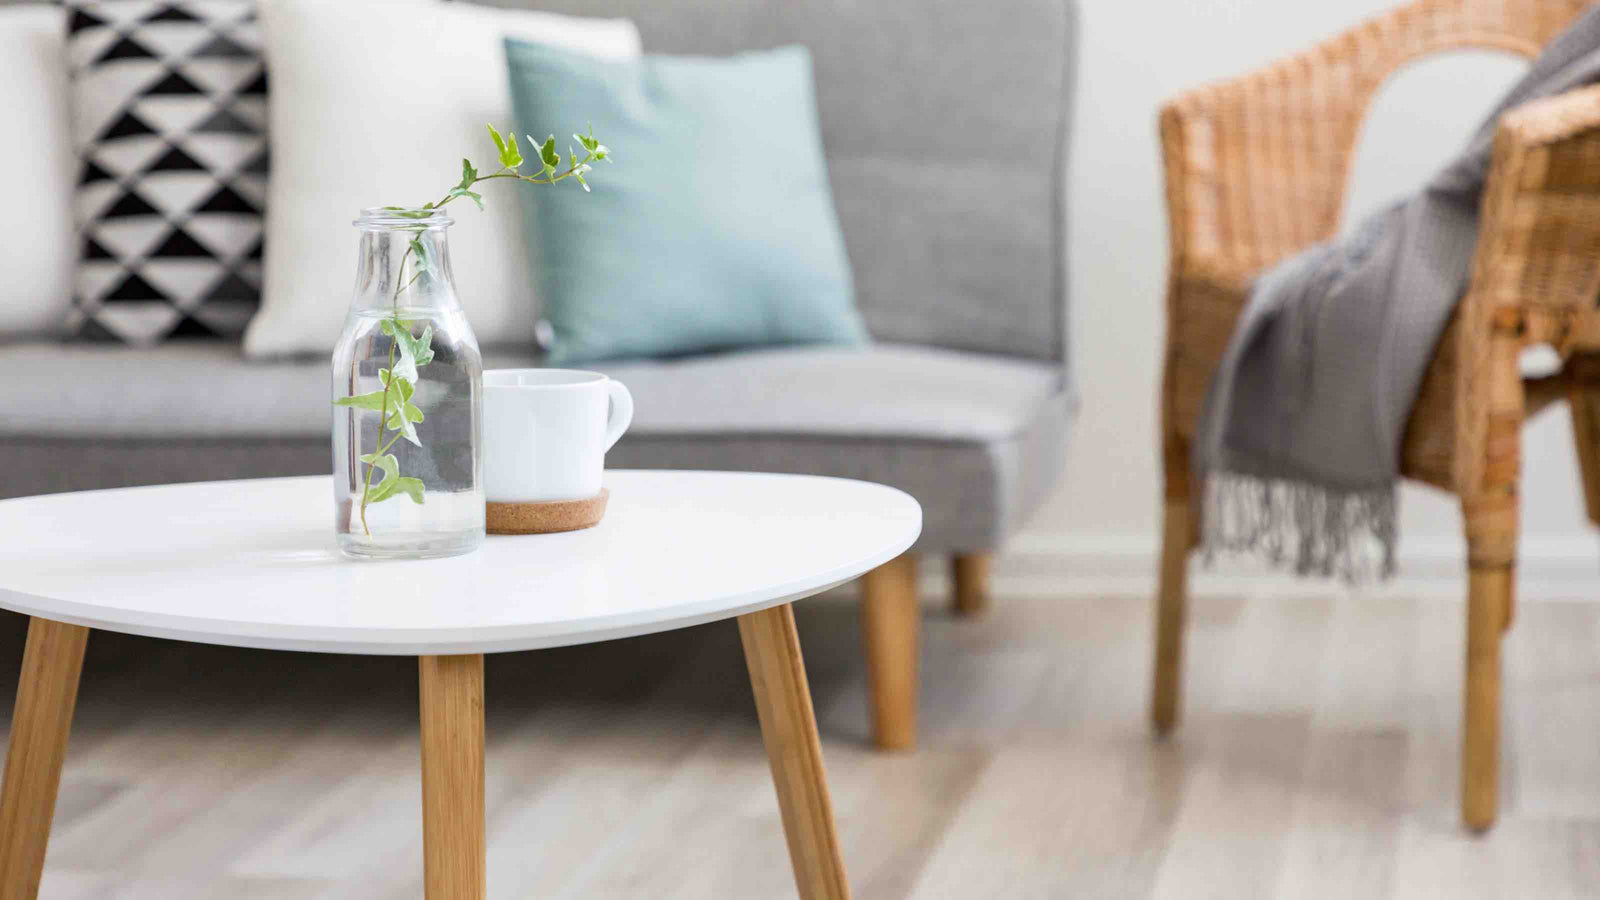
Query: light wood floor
(1318, 758)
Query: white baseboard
(1549, 566)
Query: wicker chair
(1256, 169)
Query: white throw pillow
(375, 102)
(37, 171)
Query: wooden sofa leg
(969, 574)
(1488, 600)
(1166, 687)
(890, 622)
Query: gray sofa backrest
(945, 125)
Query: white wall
(1135, 53)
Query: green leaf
(463, 192)
(402, 417)
(414, 352)
(422, 347)
(578, 169)
(405, 427)
(468, 175)
(499, 142)
(381, 491)
(395, 486)
(401, 409)
(588, 141)
(411, 487)
(386, 462)
(423, 263)
(510, 156)
(547, 154)
(376, 400)
(390, 467)
(372, 401)
(390, 325)
(402, 387)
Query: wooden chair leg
(969, 575)
(453, 847)
(890, 624)
(1491, 513)
(789, 730)
(40, 724)
(1583, 395)
(1171, 602)
(1488, 595)
(1491, 526)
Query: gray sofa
(945, 124)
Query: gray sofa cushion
(180, 389)
(977, 439)
(973, 493)
(882, 391)
(945, 125)
(49, 465)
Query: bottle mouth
(384, 218)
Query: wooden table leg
(789, 729)
(452, 777)
(46, 695)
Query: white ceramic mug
(546, 432)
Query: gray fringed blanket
(1298, 448)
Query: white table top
(254, 563)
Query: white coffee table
(254, 564)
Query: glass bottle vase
(407, 396)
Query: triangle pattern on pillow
(127, 48)
(176, 114)
(172, 14)
(172, 136)
(172, 40)
(79, 20)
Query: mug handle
(621, 415)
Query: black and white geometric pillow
(170, 121)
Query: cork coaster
(547, 517)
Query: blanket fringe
(1319, 530)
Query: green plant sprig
(407, 352)
(511, 161)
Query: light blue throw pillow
(714, 229)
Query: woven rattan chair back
(1285, 141)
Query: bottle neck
(404, 262)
